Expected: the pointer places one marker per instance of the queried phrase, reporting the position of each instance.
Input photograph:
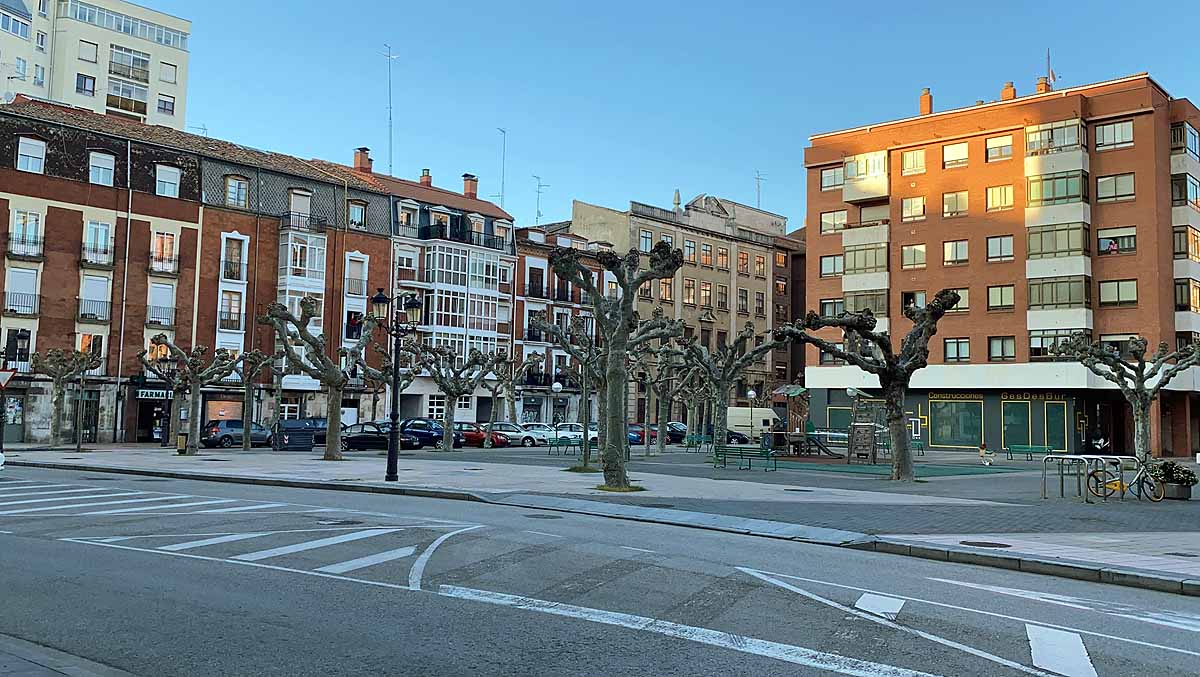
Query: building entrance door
(90, 402)
(14, 418)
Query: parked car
(528, 437)
(474, 434)
(374, 436)
(317, 426)
(641, 432)
(320, 428)
(574, 431)
(674, 435)
(428, 432)
(228, 432)
(734, 437)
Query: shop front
(153, 412)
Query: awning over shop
(790, 390)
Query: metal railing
(356, 286)
(562, 294)
(96, 253)
(535, 335)
(95, 310)
(537, 380)
(464, 235)
(868, 224)
(229, 320)
(299, 221)
(163, 265)
(160, 316)
(1079, 466)
(19, 303)
(20, 366)
(27, 246)
(233, 270)
(536, 291)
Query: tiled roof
(415, 191)
(178, 140)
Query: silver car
(519, 434)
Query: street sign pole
(6, 376)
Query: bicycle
(1106, 481)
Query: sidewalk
(19, 658)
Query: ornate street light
(398, 317)
(750, 395)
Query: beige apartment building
(726, 281)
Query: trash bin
(181, 442)
(294, 440)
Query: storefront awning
(790, 390)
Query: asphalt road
(173, 577)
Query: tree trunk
(247, 414)
(57, 414)
(616, 440)
(487, 437)
(194, 405)
(601, 416)
(720, 413)
(173, 422)
(902, 461)
(664, 412)
(333, 427)
(448, 423)
(646, 423)
(1141, 430)
(511, 400)
(585, 416)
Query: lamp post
(396, 322)
(556, 388)
(750, 395)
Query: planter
(1177, 492)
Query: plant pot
(1177, 492)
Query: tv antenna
(759, 177)
(390, 58)
(538, 209)
(503, 160)
(202, 128)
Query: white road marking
(418, 568)
(114, 539)
(796, 655)
(629, 547)
(228, 538)
(542, 533)
(992, 614)
(71, 498)
(243, 508)
(895, 626)
(312, 545)
(32, 485)
(5, 532)
(369, 560)
(1058, 651)
(89, 505)
(1172, 619)
(39, 492)
(880, 605)
(122, 511)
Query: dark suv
(428, 431)
(228, 432)
(317, 426)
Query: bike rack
(1080, 465)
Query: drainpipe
(124, 285)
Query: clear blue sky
(622, 100)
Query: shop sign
(148, 394)
(1033, 396)
(955, 396)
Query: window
(1000, 248)
(954, 204)
(358, 215)
(830, 358)
(876, 301)
(964, 300)
(85, 85)
(999, 198)
(1118, 293)
(706, 258)
(1121, 344)
(25, 238)
(743, 298)
(912, 256)
(868, 258)
(954, 155)
(743, 263)
(781, 286)
(230, 317)
(1060, 292)
(1001, 297)
(834, 265)
(646, 291)
(1064, 239)
(168, 72)
(1114, 135)
(39, 76)
(689, 251)
(464, 402)
(956, 423)
(1055, 137)
(1185, 138)
(666, 290)
(40, 45)
(646, 241)
(1187, 295)
(689, 291)
(954, 253)
(42, 7)
(1043, 341)
(1058, 188)
(1117, 188)
(127, 96)
(88, 51)
(781, 313)
(832, 307)
(1185, 191)
(912, 162)
(304, 256)
(20, 67)
(1187, 243)
(832, 222)
(760, 266)
(237, 191)
(957, 349)
(1002, 348)
(760, 303)
(129, 63)
(166, 104)
(911, 209)
(167, 180)
(1183, 339)
(999, 148)
(912, 298)
(31, 155)
(705, 293)
(780, 260)
(435, 407)
(100, 168)
(663, 237)
(723, 297)
(722, 258)
(11, 24)
(1116, 241)
(832, 178)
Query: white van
(752, 421)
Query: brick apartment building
(1062, 211)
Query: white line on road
(369, 560)
(542, 533)
(228, 538)
(122, 511)
(70, 498)
(796, 655)
(39, 492)
(33, 485)
(1058, 651)
(89, 505)
(630, 547)
(418, 568)
(312, 545)
(243, 508)
(880, 605)
(980, 653)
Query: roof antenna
(538, 210)
(759, 177)
(202, 128)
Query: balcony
(95, 311)
(537, 381)
(128, 71)
(562, 294)
(1054, 160)
(866, 177)
(230, 321)
(160, 316)
(24, 247)
(126, 104)
(537, 291)
(535, 335)
(465, 236)
(20, 304)
(586, 299)
(96, 255)
(165, 266)
(21, 366)
(356, 286)
(298, 221)
(233, 271)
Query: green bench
(693, 443)
(722, 454)
(561, 446)
(1027, 449)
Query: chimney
(1008, 92)
(362, 159)
(470, 185)
(1043, 85)
(926, 102)
(426, 178)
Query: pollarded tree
(196, 372)
(249, 366)
(63, 367)
(617, 321)
(722, 368)
(509, 372)
(696, 393)
(587, 360)
(663, 371)
(454, 377)
(1139, 379)
(872, 352)
(175, 383)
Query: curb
(55, 660)
(1134, 578)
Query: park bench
(561, 446)
(694, 443)
(722, 453)
(1027, 449)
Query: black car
(317, 426)
(737, 438)
(374, 436)
(428, 432)
(675, 433)
(228, 432)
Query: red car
(639, 431)
(473, 435)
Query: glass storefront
(955, 423)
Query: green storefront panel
(1056, 425)
(1016, 423)
(955, 423)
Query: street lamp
(396, 322)
(556, 388)
(750, 395)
